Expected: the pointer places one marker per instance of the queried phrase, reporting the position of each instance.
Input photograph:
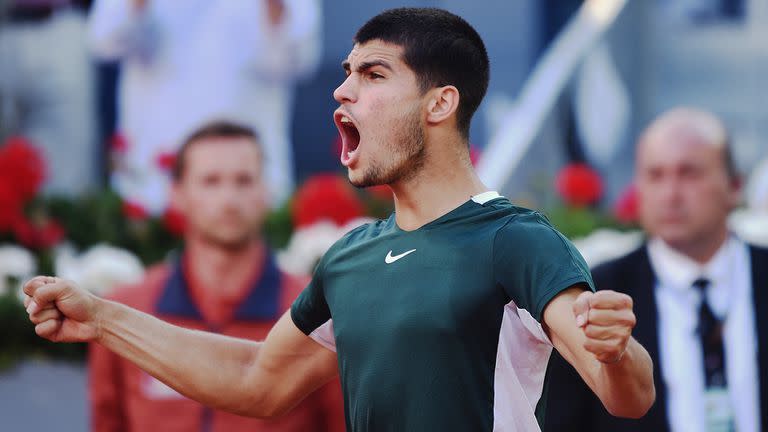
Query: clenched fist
(607, 320)
(61, 311)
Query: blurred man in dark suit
(697, 291)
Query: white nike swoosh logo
(389, 259)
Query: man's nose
(230, 194)
(346, 92)
(670, 189)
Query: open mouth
(350, 138)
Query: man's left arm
(593, 332)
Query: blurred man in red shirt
(225, 281)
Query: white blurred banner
(522, 123)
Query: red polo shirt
(124, 398)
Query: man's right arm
(259, 379)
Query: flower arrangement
(44, 234)
(579, 185)
(323, 209)
(22, 171)
(16, 264)
(100, 240)
(626, 210)
(100, 268)
(580, 190)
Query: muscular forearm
(626, 387)
(593, 332)
(205, 367)
(244, 377)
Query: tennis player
(441, 317)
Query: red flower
(134, 211)
(579, 185)
(174, 221)
(38, 236)
(118, 143)
(165, 161)
(474, 154)
(10, 206)
(325, 196)
(626, 210)
(22, 166)
(382, 192)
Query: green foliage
(575, 222)
(20, 340)
(98, 218)
(94, 218)
(278, 227)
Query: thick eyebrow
(364, 66)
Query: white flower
(605, 244)
(15, 263)
(306, 247)
(354, 223)
(308, 244)
(99, 269)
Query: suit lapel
(642, 287)
(759, 265)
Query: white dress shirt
(730, 297)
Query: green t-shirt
(438, 329)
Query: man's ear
(443, 104)
(737, 191)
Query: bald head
(686, 181)
(689, 127)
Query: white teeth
(345, 119)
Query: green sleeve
(533, 262)
(310, 310)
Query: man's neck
(222, 273)
(702, 250)
(445, 181)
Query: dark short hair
(441, 49)
(214, 129)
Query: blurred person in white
(46, 88)
(187, 62)
(698, 291)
